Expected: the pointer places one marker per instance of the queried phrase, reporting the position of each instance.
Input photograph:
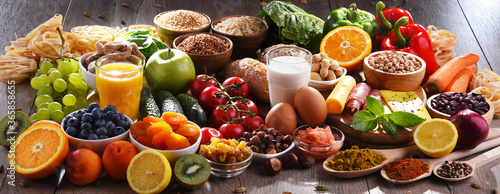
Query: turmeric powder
(355, 159)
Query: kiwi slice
(192, 171)
(12, 126)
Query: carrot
(442, 77)
(461, 81)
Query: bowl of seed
(171, 24)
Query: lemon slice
(436, 137)
(149, 172)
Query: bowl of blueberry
(94, 128)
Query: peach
(83, 166)
(116, 158)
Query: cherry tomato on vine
(223, 114)
(207, 133)
(250, 124)
(209, 100)
(238, 87)
(249, 105)
(200, 82)
(231, 130)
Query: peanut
(325, 65)
(331, 75)
(315, 67)
(334, 65)
(315, 76)
(339, 72)
(316, 58)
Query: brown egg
(310, 105)
(283, 118)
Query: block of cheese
(405, 101)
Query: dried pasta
(487, 83)
(443, 43)
(98, 32)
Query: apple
(207, 133)
(117, 157)
(171, 70)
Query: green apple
(171, 70)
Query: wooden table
(475, 23)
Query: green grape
(60, 85)
(43, 114)
(81, 92)
(43, 98)
(69, 109)
(56, 94)
(75, 78)
(45, 78)
(45, 66)
(64, 67)
(57, 116)
(53, 106)
(38, 73)
(71, 86)
(34, 121)
(33, 116)
(51, 70)
(82, 85)
(69, 100)
(43, 105)
(74, 65)
(54, 75)
(45, 89)
(81, 102)
(37, 83)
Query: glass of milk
(288, 69)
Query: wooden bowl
(244, 46)
(488, 116)
(169, 35)
(208, 64)
(391, 81)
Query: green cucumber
(168, 103)
(147, 104)
(193, 110)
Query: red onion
(472, 128)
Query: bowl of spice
(405, 170)
(320, 141)
(209, 52)
(171, 24)
(353, 162)
(453, 171)
(394, 70)
(247, 33)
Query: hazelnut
(268, 138)
(288, 139)
(284, 146)
(243, 139)
(254, 133)
(271, 131)
(246, 134)
(255, 148)
(278, 150)
(262, 147)
(271, 151)
(273, 166)
(261, 134)
(306, 161)
(290, 160)
(262, 127)
(270, 145)
(277, 140)
(255, 140)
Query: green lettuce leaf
(146, 43)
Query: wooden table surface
(475, 23)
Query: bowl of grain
(171, 24)
(209, 52)
(394, 70)
(247, 33)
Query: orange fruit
(40, 150)
(177, 142)
(348, 45)
(174, 118)
(157, 128)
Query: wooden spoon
(475, 163)
(452, 156)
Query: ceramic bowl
(208, 64)
(261, 158)
(326, 85)
(319, 152)
(379, 79)
(97, 146)
(488, 116)
(169, 35)
(228, 170)
(171, 155)
(87, 76)
(244, 46)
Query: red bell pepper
(414, 39)
(386, 20)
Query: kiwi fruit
(19, 121)
(192, 171)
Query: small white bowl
(87, 76)
(97, 146)
(326, 85)
(172, 155)
(261, 158)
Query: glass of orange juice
(119, 79)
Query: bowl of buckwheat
(394, 70)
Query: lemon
(436, 137)
(149, 172)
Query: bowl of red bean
(445, 104)
(209, 52)
(394, 70)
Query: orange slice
(436, 137)
(348, 45)
(40, 150)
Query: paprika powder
(407, 169)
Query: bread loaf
(254, 73)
